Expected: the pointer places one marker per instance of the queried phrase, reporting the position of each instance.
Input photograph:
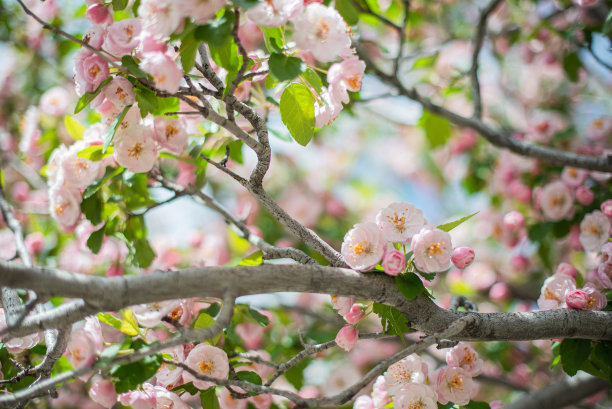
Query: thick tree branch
(563, 393)
(500, 138)
(114, 293)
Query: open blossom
(455, 385)
(65, 205)
(136, 150)
(82, 349)
(556, 201)
(170, 134)
(355, 314)
(394, 262)
(78, 172)
(209, 361)
(415, 396)
(409, 370)
(345, 76)
(322, 31)
(120, 92)
(380, 396)
(400, 221)
(347, 337)
(55, 101)
(94, 36)
(363, 402)
(166, 399)
(594, 231)
(160, 17)
(342, 304)
(149, 315)
(432, 249)
(99, 14)
(574, 177)
(587, 298)
(200, 11)
(171, 377)
(554, 289)
(103, 393)
(139, 399)
(123, 37)
(327, 109)
(18, 345)
(599, 130)
(274, 13)
(90, 70)
(164, 70)
(464, 356)
(363, 246)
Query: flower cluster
(366, 244)
(409, 383)
(559, 291)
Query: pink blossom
(150, 43)
(455, 385)
(55, 101)
(166, 399)
(603, 275)
(65, 206)
(123, 37)
(462, 257)
(596, 301)
(342, 304)
(432, 249)
(567, 269)
(554, 289)
(363, 246)
(164, 70)
(407, 371)
(168, 377)
(606, 252)
(35, 242)
(327, 110)
(594, 231)
(228, 402)
(251, 334)
(139, 399)
(347, 337)
(575, 238)
(136, 150)
(322, 31)
(574, 177)
(81, 348)
(584, 195)
(399, 222)
(416, 396)
(514, 221)
(464, 356)
(576, 299)
(149, 315)
(600, 129)
(209, 361)
(90, 70)
(519, 191)
(380, 396)
(497, 404)
(274, 13)
(499, 292)
(18, 345)
(263, 401)
(78, 172)
(103, 392)
(519, 263)
(556, 201)
(120, 92)
(345, 76)
(363, 402)
(606, 208)
(94, 36)
(394, 262)
(200, 11)
(170, 134)
(355, 314)
(160, 17)
(98, 14)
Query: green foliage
(209, 400)
(392, 320)
(109, 319)
(94, 242)
(259, 317)
(130, 376)
(571, 65)
(129, 63)
(94, 153)
(203, 321)
(451, 225)
(112, 129)
(249, 376)
(119, 4)
(437, 129)
(410, 285)
(574, 352)
(254, 259)
(348, 11)
(297, 112)
(92, 208)
(87, 97)
(285, 68)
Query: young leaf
(451, 225)
(254, 259)
(348, 11)
(573, 354)
(92, 209)
(409, 285)
(94, 242)
(285, 68)
(129, 63)
(119, 4)
(130, 376)
(204, 321)
(297, 112)
(393, 321)
(94, 153)
(313, 79)
(188, 49)
(129, 325)
(143, 253)
(147, 100)
(112, 129)
(87, 97)
(437, 129)
(109, 319)
(208, 399)
(249, 376)
(259, 317)
(74, 128)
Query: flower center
(590, 302)
(121, 93)
(94, 70)
(360, 248)
(171, 131)
(598, 123)
(468, 357)
(79, 166)
(135, 151)
(322, 30)
(456, 383)
(434, 249)
(354, 82)
(205, 367)
(417, 404)
(59, 209)
(398, 222)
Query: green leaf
(297, 112)
(92, 209)
(249, 376)
(607, 27)
(208, 399)
(348, 11)
(451, 225)
(285, 68)
(188, 50)
(254, 259)
(226, 54)
(129, 63)
(273, 38)
(217, 31)
(437, 129)
(94, 153)
(427, 276)
(204, 321)
(130, 376)
(87, 97)
(573, 354)
(539, 231)
(112, 129)
(109, 319)
(108, 175)
(146, 98)
(259, 317)
(245, 4)
(313, 79)
(74, 128)
(393, 321)
(61, 365)
(571, 65)
(187, 387)
(119, 4)
(477, 405)
(129, 325)
(143, 253)
(410, 285)
(94, 242)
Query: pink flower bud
(584, 195)
(462, 257)
(355, 314)
(575, 238)
(394, 262)
(519, 263)
(499, 292)
(103, 392)
(514, 221)
(35, 242)
(98, 14)
(347, 337)
(519, 191)
(114, 271)
(567, 269)
(606, 207)
(576, 299)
